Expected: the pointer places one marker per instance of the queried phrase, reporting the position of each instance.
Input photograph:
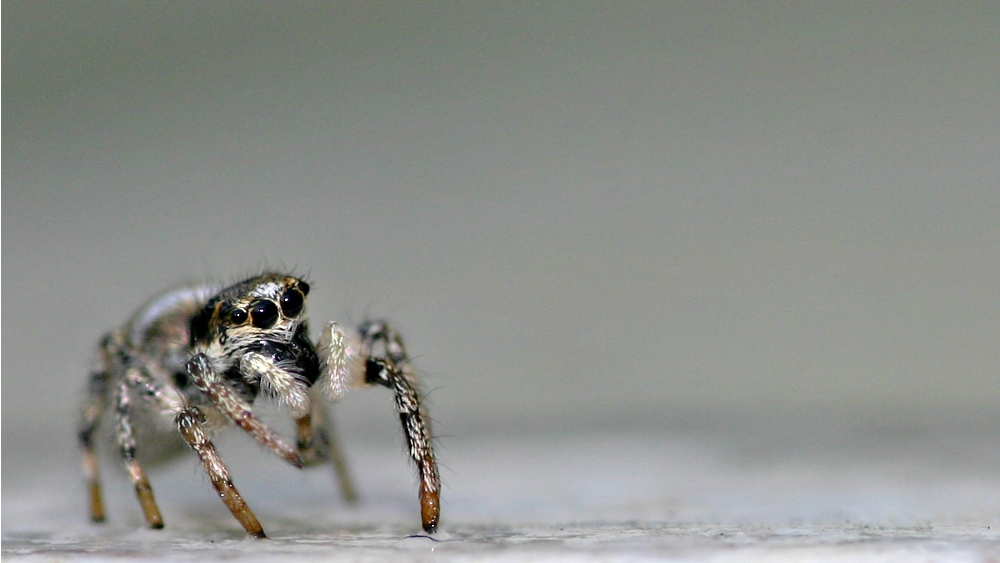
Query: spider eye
(303, 287)
(291, 303)
(238, 316)
(264, 314)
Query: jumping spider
(196, 358)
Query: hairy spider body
(194, 360)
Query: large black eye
(291, 303)
(263, 314)
(238, 316)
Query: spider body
(193, 361)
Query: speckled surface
(747, 494)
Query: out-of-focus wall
(588, 213)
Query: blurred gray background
(582, 216)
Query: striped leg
(393, 371)
(127, 445)
(137, 382)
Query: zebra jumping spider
(193, 361)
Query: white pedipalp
(279, 380)
(341, 369)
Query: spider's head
(269, 307)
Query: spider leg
(237, 409)
(393, 371)
(190, 423)
(134, 378)
(90, 419)
(138, 379)
(317, 443)
(127, 445)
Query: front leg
(237, 409)
(393, 371)
(417, 430)
(190, 423)
(345, 368)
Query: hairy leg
(190, 423)
(237, 409)
(393, 371)
(127, 445)
(418, 437)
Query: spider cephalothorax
(199, 358)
